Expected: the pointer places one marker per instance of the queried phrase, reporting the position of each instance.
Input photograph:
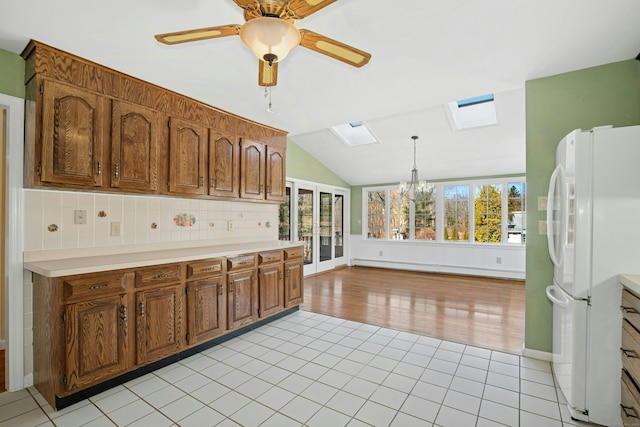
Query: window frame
(502, 182)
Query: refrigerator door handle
(551, 206)
(550, 291)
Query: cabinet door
(134, 147)
(96, 341)
(271, 289)
(73, 133)
(206, 309)
(242, 298)
(224, 165)
(187, 156)
(293, 283)
(276, 172)
(252, 175)
(158, 323)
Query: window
(425, 216)
(456, 212)
(516, 215)
(493, 212)
(487, 214)
(399, 216)
(376, 214)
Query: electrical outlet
(229, 225)
(80, 217)
(499, 260)
(115, 228)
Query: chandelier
(414, 189)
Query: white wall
(507, 261)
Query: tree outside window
(399, 215)
(487, 217)
(376, 214)
(425, 215)
(516, 231)
(456, 212)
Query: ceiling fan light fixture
(268, 37)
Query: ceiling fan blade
(303, 8)
(335, 49)
(267, 74)
(199, 34)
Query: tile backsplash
(51, 220)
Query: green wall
(301, 165)
(556, 105)
(11, 74)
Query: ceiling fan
(269, 32)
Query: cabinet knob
(628, 309)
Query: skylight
(354, 134)
(473, 112)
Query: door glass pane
(326, 224)
(305, 223)
(284, 228)
(338, 224)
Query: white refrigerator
(593, 232)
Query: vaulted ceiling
(424, 55)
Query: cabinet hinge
(169, 123)
(186, 337)
(64, 317)
(168, 185)
(186, 291)
(64, 380)
(41, 88)
(39, 169)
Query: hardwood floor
(477, 311)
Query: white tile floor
(315, 370)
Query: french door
(314, 215)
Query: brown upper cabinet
(262, 171)
(187, 156)
(91, 128)
(135, 138)
(224, 164)
(72, 139)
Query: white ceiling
(424, 54)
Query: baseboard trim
(537, 354)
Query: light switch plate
(115, 228)
(542, 203)
(230, 225)
(542, 227)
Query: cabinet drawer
(293, 253)
(630, 398)
(631, 308)
(241, 262)
(630, 349)
(89, 286)
(269, 257)
(209, 267)
(163, 274)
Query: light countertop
(106, 262)
(630, 281)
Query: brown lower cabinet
(91, 329)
